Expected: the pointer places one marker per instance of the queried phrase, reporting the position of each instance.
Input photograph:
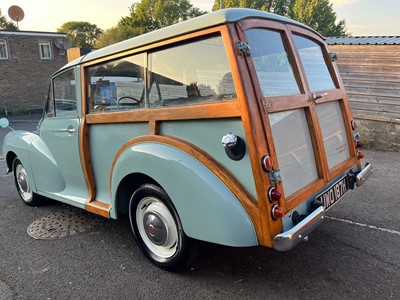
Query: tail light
(274, 195)
(267, 163)
(359, 144)
(277, 212)
(360, 155)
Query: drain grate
(62, 224)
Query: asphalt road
(353, 255)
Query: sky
(363, 17)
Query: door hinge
(243, 48)
(275, 176)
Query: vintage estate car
(232, 128)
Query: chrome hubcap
(23, 183)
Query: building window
(3, 49)
(45, 50)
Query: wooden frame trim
(244, 197)
(84, 143)
(99, 208)
(258, 135)
(201, 111)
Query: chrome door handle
(71, 130)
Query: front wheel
(158, 230)
(23, 185)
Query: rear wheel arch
(207, 208)
(126, 187)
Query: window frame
(42, 43)
(52, 97)
(4, 42)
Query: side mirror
(4, 123)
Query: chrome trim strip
(363, 175)
(289, 239)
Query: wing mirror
(4, 123)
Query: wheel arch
(208, 209)
(10, 156)
(128, 185)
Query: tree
(149, 15)
(81, 34)
(114, 35)
(280, 7)
(6, 25)
(317, 14)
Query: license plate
(334, 193)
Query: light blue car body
(207, 208)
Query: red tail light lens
(277, 212)
(360, 155)
(359, 144)
(274, 195)
(267, 163)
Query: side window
(49, 107)
(192, 73)
(3, 49)
(117, 85)
(272, 63)
(45, 50)
(314, 64)
(65, 94)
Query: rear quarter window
(197, 72)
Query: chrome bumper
(363, 175)
(289, 239)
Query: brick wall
(23, 76)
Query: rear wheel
(23, 185)
(158, 229)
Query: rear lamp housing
(274, 195)
(277, 212)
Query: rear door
(301, 101)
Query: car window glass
(65, 94)
(117, 85)
(49, 108)
(193, 73)
(272, 63)
(314, 64)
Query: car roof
(208, 20)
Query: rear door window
(272, 63)
(314, 64)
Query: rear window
(314, 64)
(272, 63)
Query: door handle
(71, 130)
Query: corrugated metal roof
(364, 40)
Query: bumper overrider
(289, 239)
